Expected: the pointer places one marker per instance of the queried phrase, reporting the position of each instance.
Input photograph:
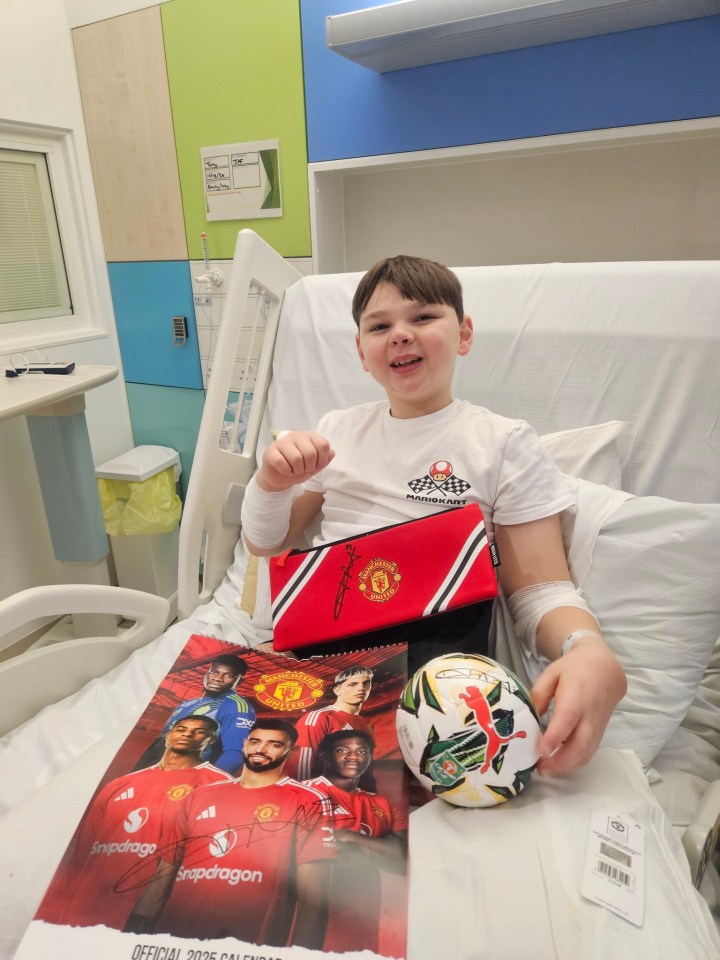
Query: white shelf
(36, 391)
(456, 204)
(414, 33)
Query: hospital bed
(616, 366)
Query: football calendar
(258, 810)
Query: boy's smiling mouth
(399, 364)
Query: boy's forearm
(265, 518)
(303, 509)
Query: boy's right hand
(293, 458)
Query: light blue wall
(169, 417)
(638, 76)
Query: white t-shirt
(388, 470)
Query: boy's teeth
(404, 363)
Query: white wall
(38, 85)
(80, 12)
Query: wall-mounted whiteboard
(242, 180)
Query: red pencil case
(403, 572)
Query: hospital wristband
(573, 638)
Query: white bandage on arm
(530, 604)
(265, 515)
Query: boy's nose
(401, 335)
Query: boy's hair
(416, 279)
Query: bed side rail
(224, 458)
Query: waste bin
(141, 509)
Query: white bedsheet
(519, 897)
(503, 882)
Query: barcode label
(614, 873)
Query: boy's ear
(466, 336)
(360, 353)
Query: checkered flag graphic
(426, 484)
(455, 485)
(423, 485)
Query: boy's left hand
(586, 685)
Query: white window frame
(83, 323)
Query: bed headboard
(560, 345)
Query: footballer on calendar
(259, 799)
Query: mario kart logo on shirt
(288, 690)
(441, 479)
(380, 580)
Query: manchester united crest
(266, 812)
(288, 690)
(179, 791)
(379, 580)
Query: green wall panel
(235, 75)
(168, 416)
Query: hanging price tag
(614, 874)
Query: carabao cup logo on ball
(468, 730)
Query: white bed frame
(210, 527)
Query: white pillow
(589, 452)
(650, 571)
(654, 586)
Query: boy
(358, 472)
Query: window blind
(33, 281)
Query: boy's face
(410, 348)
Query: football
(468, 730)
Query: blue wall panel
(168, 417)
(651, 75)
(146, 296)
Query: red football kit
(367, 906)
(311, 728)
(116, 846)
(239, 849)
(362, 811)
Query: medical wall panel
(170, 417)
(655, 74)
(235, 75)
(123, 84)
(147, 297)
